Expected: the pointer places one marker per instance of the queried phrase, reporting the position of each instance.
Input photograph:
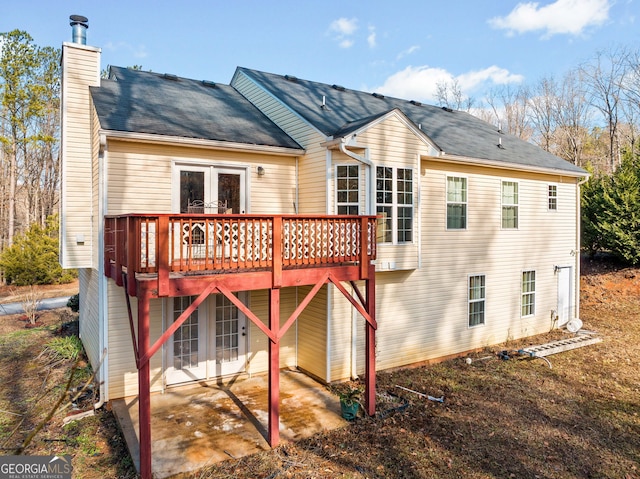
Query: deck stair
(578, 341)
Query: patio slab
(196, 426)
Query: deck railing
(197, 243)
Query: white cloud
(421, 83)
(344, 26)
(570, 17)
(408, 51)
(371, 39)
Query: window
(405, 205)
(394, 204)
(456, 203)
(509, 205)
(528, 293)
(476, 300)
(348, 183)
(553, 197)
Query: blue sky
(401, 48)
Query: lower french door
(211, 343)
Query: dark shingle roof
(145, 102)
(455, 132)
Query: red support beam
(370, 344)
(144, 391)
(274, 368)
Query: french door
(209, 189)
(211, 343)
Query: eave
(463, 160)
(200, 143)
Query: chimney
(79, 25)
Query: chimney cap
(79, 19)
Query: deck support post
(274, 368)
(144, 390)
(370, 344)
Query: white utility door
(565, 303)
(186, 350)
(229, 336)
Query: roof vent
(416, 103)
(209, 83)
(79, 25)
(291, 78)
(446, 108)
(378, 95)
(170, 76)
(499, 145)
(338, 87)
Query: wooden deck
(265, 251)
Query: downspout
(370, 210)
(578, 249)
(102, 279)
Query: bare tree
(604, 77)
(510, 107)
(543, 112)
(450, 95)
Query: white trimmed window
(509, 205)
(528, 293)
(552, 198)
(476, 299)
(456, 203)
(394, 204)
(348, 189)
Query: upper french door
(209, 189)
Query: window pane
(384, 230)
(191, 190)
(405, 224)
(553, 197)
(476, 297)
(509, 216)
(456, 203)
(528, 293)
(456, 216)
(347, 188)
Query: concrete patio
(196, 426)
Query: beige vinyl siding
(123, 375)
(81, 68)
(312, 334)
(258, 352)
(423, 315)
(312, 167)
(392, 144)
(140, 177)
(89, 323)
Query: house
(278, 222)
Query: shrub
(74, 303)
(33, 257)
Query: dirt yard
(516, 418)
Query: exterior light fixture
(261, 171)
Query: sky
(400, 48)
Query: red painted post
(276, 249)
(144, 392)
(274, 368)
(162, 255)
(370, 344)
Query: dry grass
(500, 419)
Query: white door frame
(565, 297)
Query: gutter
(201, 143)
